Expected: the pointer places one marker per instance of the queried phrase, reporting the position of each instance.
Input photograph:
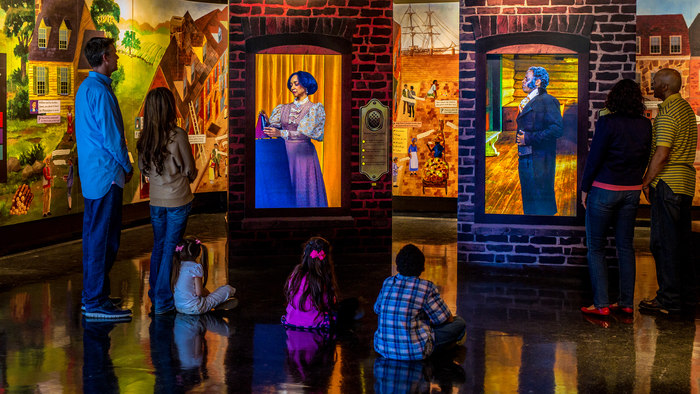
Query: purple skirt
(305, 171)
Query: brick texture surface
(610, 27)
(367, 25)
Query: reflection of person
(539, 126)
(413, 155)
(69, 123)
(104, 169)
(399, 376)
(165, 157)
(413, 319)
(432, 92)
(404, 93)
(610, 189)
(298, 123)
(69, 184)
(191, 344)
(98, 370)
(310, 358)
(311, 292)
(669, 186)
(189, 279)
(46, 181)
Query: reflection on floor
(523, 335)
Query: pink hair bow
(179, 248)
(318, 254)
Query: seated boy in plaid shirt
(413, 319)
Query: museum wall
(359, 31)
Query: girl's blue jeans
(618, 209)
(169, 225)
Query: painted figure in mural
(165, 157)
(395, 171)
(404, 93)
(436, 147)
(610, 189)
(217, 155)
(539, 126)
(412, 105)
(70, 123)
(432, 92)
(298, 123)
(69, 184)
(104, 170)
(46, 182)
(669, 185)
(413, 155)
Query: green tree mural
(130, 41)
(106, 14)
(19, 23)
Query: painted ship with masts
(427, 35)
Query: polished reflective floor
(524, 335)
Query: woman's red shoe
(592, 310)
(624, 309)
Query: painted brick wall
(612, 48)
(367, 24)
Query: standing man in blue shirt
(104, 169)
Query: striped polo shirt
(675, 128)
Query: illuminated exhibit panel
(178, 44)
(539, 177)
(426, 97)
(302, 170)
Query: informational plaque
(374, 139)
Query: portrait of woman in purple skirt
(298, 123)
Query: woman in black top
(610, 190)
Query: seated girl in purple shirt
(311, 291)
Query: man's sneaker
(116, 301)
(107, 311)
(654, 306)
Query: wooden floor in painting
(503, 195)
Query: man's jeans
(168, 228)
(619, 209)
(102, 223)
(670, 245)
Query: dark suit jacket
(542, 123)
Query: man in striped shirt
(413, 318)
(669, 185)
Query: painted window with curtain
(301, 169)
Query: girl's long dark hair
(191, 249)
(159, 118)
(625, 98)
(321, 287)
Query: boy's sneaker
(116, 301)
(107, 311)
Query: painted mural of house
(694, 72)
(195, 68)
(662, 41)
(56, 65)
